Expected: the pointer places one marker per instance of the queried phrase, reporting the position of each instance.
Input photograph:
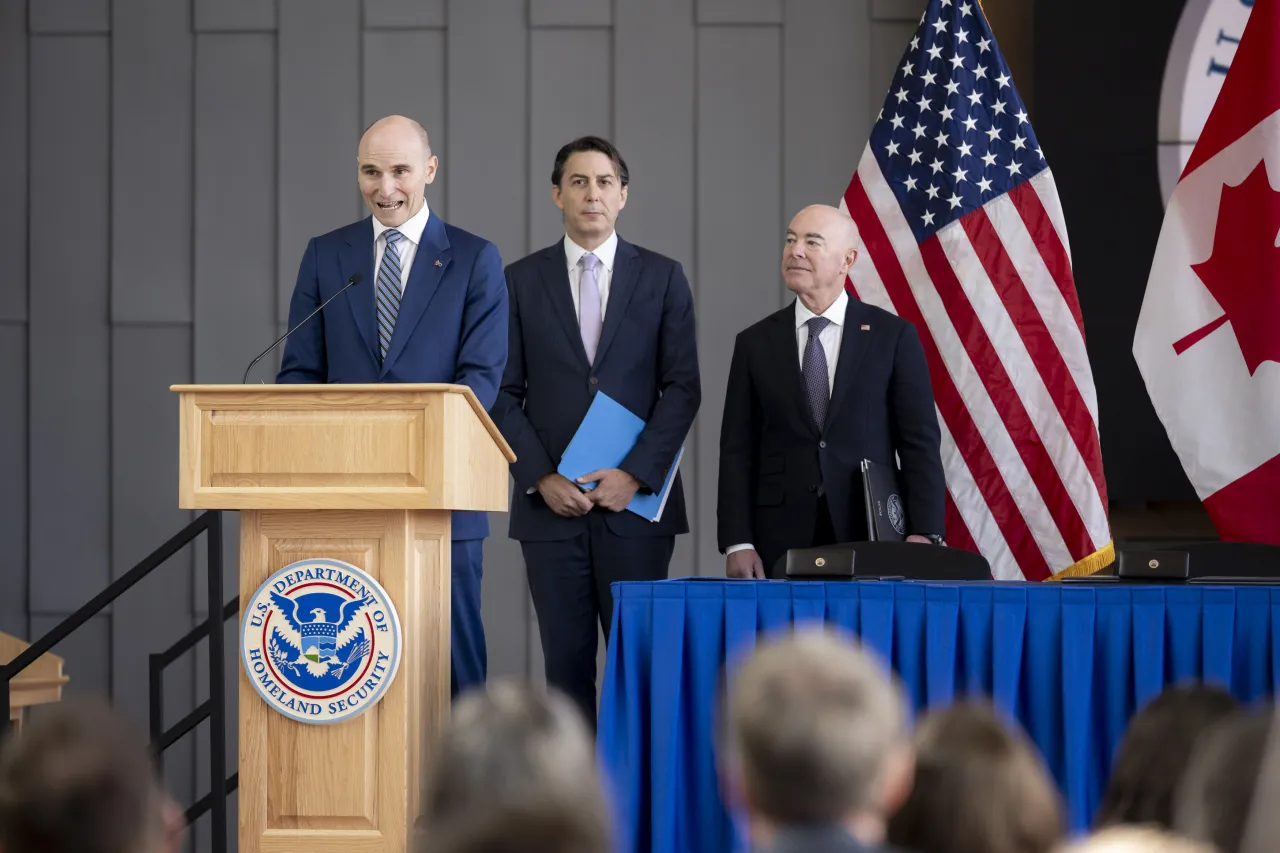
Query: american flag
(964, 236)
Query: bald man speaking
(813, 390)
(430, 306)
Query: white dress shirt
(604, 275)
(830, 340)
(573, 253)
(830, 336)
(411, 235)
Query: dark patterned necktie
(817, 387)
(388, 290)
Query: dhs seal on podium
(321, 641)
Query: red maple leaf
(1243, 272)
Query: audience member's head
(78, 779)
(980, 787)
(816, 735)
(552, 826)
(1136, 839)
(1216, 792)
(1154, 752)
(515, 757)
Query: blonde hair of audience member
(980, 787)
(1217, 790)
(816, 732)
(512, 750)
(1136, 839)
(78, 779)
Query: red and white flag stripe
(993, 299)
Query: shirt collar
(411, 228)
(605, 252)
(835, 312)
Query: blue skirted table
(1071, 662)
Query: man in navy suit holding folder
(592, 313)
(431, 306)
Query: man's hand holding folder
(563, 497)
(614, 488)
(593, 458)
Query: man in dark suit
(813, 390)
(592, 313)
(818, 753)
(431, 307)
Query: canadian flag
(1208, 337)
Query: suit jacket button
(813, 488)
(595, 381)
(822, 444)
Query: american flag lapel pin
(865, 327)
(438, 262)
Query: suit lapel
(783, 352)
(853, 345)
(553, 269)
(626, 272)
(356, 256)
(430, 262)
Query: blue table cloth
(1070, 662)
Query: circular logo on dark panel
(1199, 58)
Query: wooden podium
(39, 684)
(365, 474)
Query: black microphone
(354, 280)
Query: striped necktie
(388, 290)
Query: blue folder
(604, 438)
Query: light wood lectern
(366, 474)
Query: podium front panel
(352, 785)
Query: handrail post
(4, 697)
(217, 690)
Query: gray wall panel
(404, 13)
(488, 144)
(897, 10)
(86, 653)
(739, 11)
(739, 226)
(235, 15)
(13, 477)
(504, 603)
(13, 160)
(824, 41)
(404, 75)
(570, 90)
(489, 147)
(570, 13)
(319, 83)
(888, 42)
(235, 200)
(149, 618)
(70, 16)
(145, 360)
(654, 45)
(151, 161)
(69, 336)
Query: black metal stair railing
(214, 709)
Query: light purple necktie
(589, 322)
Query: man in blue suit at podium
(593, 312)
(430, 305)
